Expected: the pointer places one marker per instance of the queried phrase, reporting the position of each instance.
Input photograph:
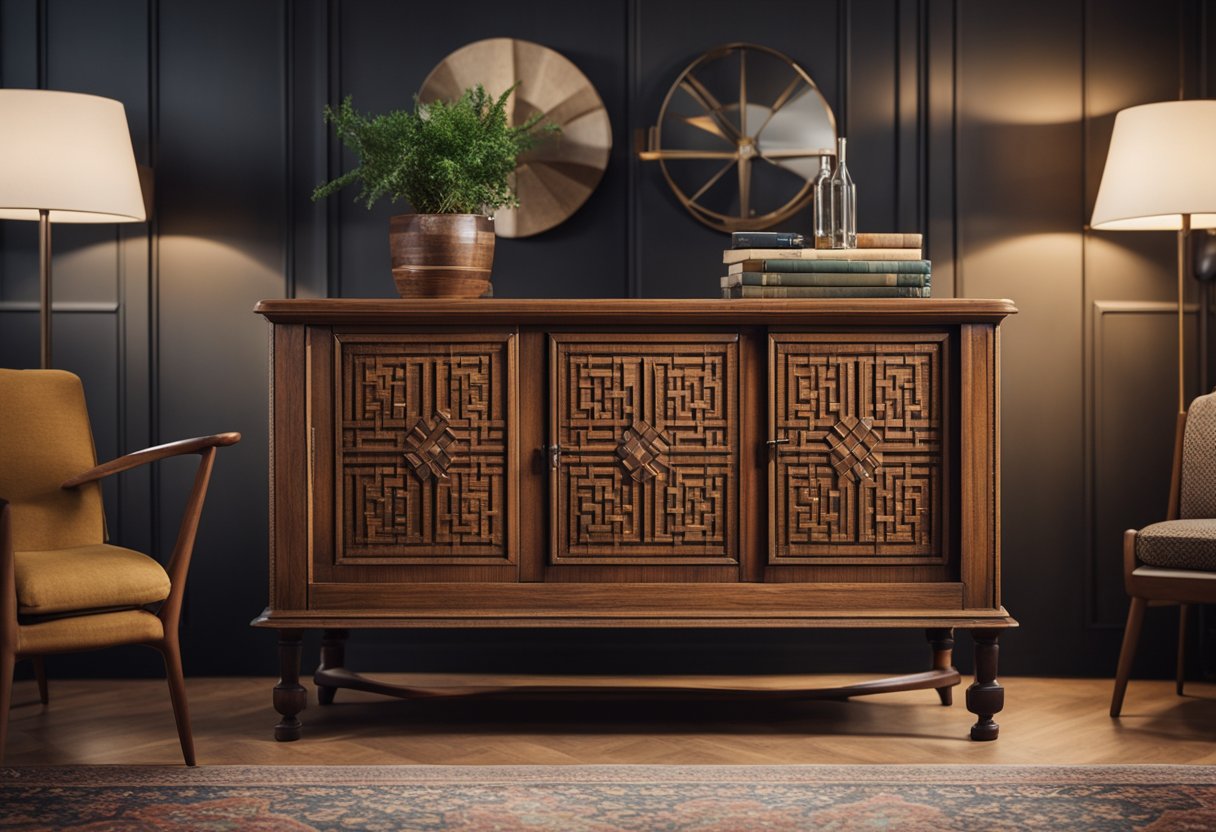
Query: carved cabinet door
(858, 459)
(644, 449)
(419, 444)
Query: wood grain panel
(533, 462)
(424, 440)
(667, 314)
(648, 429)
(330, 560)
(289, 455)
(639, 600)
(979, 540)
(753, 454)
(858, 476)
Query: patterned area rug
(607, 798)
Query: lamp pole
(1183, 233)
(44, 285)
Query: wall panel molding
(1141, 432)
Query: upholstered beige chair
(62, 588)
(1175, 561)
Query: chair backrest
(45, 439)
(1198, 500)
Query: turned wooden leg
(333, 655)
(40, 675)
(1131, 635)
(985, 697)
(289, 695)
(172, 655)
(1180, 673)
(7, 663)
(942, 643)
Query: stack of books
(769, 264)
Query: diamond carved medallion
(643, 451)
(427, 447)
(852, 444)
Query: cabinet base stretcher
(985, 697)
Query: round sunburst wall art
(556, 177)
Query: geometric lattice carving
(406, 404)
(643, 451)
(648, 428)
(852, 444)
(860, 479)
(426, 447)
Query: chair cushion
(1179, 544)
(87, 578)
(88, 632)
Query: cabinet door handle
(774, 442)
(554, 452)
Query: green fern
(442, 158)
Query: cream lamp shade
(69, 154)
(1161, 165)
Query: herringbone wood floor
(1045, 721)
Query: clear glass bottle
(843, 213)
(823, 203)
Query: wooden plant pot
(441, 255)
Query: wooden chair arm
(133, 460)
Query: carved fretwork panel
(423, 446)
(648, 431)
(860, 475)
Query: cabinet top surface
(627, 311)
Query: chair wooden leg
(177, 693)
(40, 675)
(7, 662)
(1180, 674)
(1131, 635)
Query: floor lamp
(1160, 175)
(64, 157)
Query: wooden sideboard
(636, 463)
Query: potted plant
(451, 161)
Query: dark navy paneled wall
(983, 125)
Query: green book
(863, 266)
(826, 292)
(823, 279)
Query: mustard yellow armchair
(62, 588)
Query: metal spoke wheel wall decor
(740, 135)
(553, 179)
